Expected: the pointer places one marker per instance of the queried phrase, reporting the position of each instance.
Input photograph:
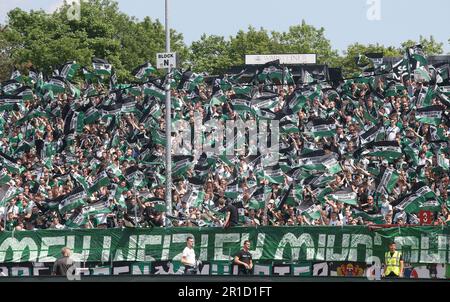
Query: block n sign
(166, 60)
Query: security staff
(393, 263)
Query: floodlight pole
(168, 123)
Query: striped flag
(274, 174)
(153, 90)
(101, 66)
(375, 218)
(8, 87)
(345, 196)
(370, 135)
(68, 70)
(10, 103)
(73, 200)
(101, 180)
(56, 85)
(385, 149)
(144, 70)
(320, 128)
(181, 164)
(430, 115)
(386, 180)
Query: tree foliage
(47, 40)
(44, 41)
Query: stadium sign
(290, 59)
(166, 60)
(353, 243)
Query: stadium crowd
(85, 153)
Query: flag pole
(168, 121)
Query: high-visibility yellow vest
(392, 263)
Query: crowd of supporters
(80, 150)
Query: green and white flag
(332, 165)
(181, 167)
(345, 196)
(4, 178)
(153, 90)
(194, 197)
(385, 149)
(295, 195)
(101, 207)
(56, 85)
(240, 104)
(370, 135)
(76, 221)
(82, 181)
(68, 70)
(101, 66)
(315, 161)
(13, 167)
(322, 128)
(321, 193)
(73, 201)
(144, 71)
(375, 218)
(10, 103)
(297, 101)
(387, 180)
(309, 209)
(430, 115)
(421, 199)
(92, 115)
(274, 174)
(158, 136)
(101, 180)
(307, 78)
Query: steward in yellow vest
(393, 261)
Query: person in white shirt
(188, 258)
(391, 131)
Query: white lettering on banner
(121, 270)
(204, 247)
(70, 243)
(47, 242)
(295, 244)
(141, 269)
(331, 256)
(145, 240)
(218, 245)
(177, 239)
(101, 271)
(18, 247)
(20, 272)
(426, 256)
(360, 239)
(106, 248)
(374, 271)
(166, 248)
(261, 270)
(413, 242)
(282, 270)
(320, 254)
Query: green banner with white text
(290, 244)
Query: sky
(345, 21)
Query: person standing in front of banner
(63, 264)
(244, 260)
(188, 258)
(393, 261)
